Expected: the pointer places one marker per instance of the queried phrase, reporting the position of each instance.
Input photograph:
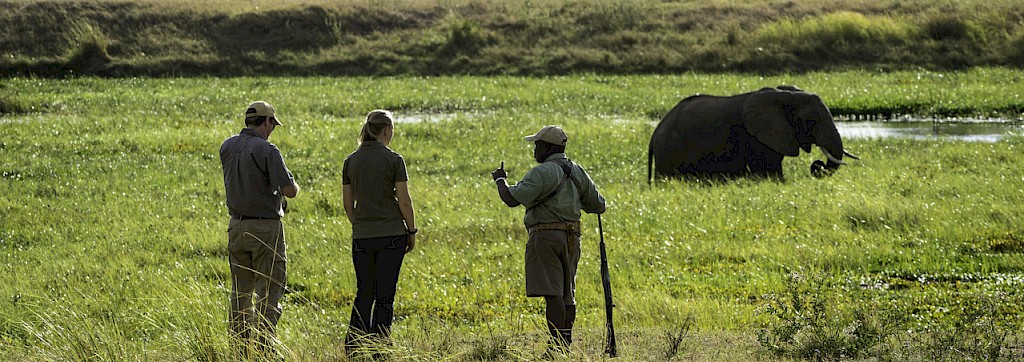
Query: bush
(805, 323)
(841, 28)
(979, 330)
(833, 40)
(952, 27)
(1016, 53)
(90, 52)
(609, 17)
(464, 37)
(9, 105)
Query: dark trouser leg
(556, 314)
(570, 320)
(364, 261)
(389, 264)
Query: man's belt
(245, 217)
(564, 225)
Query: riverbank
(517, 37)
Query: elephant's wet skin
(746, 135)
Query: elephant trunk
(827, 137)
(820, 169)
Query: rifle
(606, 282)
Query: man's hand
(499, 174)
(290, 191)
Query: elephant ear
(764, 116)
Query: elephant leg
(763, 162)
(773, 165)
(775, 172)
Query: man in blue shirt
(256, 181)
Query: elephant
(745, 135)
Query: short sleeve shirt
(578, 193)
(254, 173)
(372, 171)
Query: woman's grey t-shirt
(372, 170)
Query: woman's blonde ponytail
(376, 121)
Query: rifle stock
(610, 348)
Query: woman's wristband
(499, 179)
(412, 232)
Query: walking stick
(606, 282)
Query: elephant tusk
(830, 157)
(850, 155)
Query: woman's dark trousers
(377, 262)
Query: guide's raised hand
(499, 173)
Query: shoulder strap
(567, 170)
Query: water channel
(977, 130)
(959, 129)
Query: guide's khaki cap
(262, 109)
(550, 134)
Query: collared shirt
(372, 170)
(575, 194)
(254, 172)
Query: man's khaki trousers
(256, 250)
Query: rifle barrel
(609, 305)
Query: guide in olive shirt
(566, 202)
(553, 193)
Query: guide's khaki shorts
(552, 256)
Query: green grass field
(112, 224)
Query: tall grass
(113, 220)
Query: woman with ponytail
(377, 203)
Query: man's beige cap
(261, 109)
(550, 134)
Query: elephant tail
(650, 161)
